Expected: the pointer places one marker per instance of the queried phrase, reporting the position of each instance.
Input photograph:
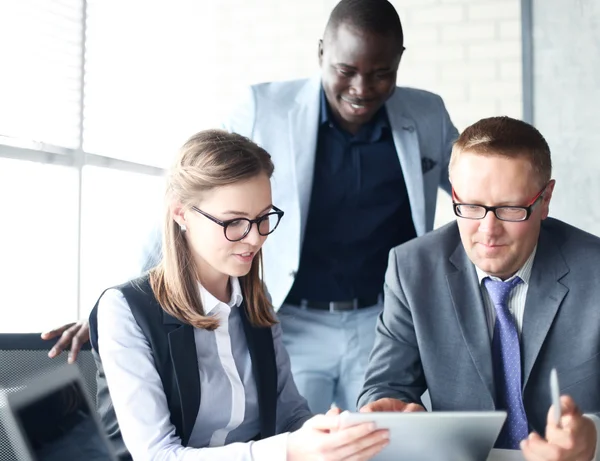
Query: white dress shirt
(516, 306)
(228, 415)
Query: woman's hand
(322, 438)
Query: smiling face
(358, 73)
(499, 248)
(217, 258)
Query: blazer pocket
(427, 164)
(572, 376)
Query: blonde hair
(506, 137)
(208, 160)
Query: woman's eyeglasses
(236, 229)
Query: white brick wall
(474, 46)
(466, 32)
(437, 14)
(469, 52)
(510, 29)
(490, 9)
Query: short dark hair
(506, 137)
(375, 16)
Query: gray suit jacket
(433, 333)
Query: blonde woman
(191, 361)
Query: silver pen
(555, 394)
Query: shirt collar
(210, 303)
(375, 126)
(324, 108)
(524, 273)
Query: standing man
(358, 162)
(489, 304)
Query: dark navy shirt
(359, 210)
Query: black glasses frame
(225, 224)
(494, 209)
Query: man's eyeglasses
(236, 229)
(503, 213)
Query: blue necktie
(506, 356)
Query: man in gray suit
(479, 311)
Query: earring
(182, 227)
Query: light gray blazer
(432, 333)
(283, 117)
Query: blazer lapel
(185, 365)
(406, 141)
(303, 120)
(264, 367)
(468, 305)
(544, 297)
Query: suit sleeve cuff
(596, 420)
(270, 449)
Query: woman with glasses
(190, 358)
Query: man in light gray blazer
(479, 311)
(358, 163)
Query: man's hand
(389, 404)
(574, 439)
(71, 334)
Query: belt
(335, 306)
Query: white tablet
(426, 436)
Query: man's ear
(547, 197)
(320, 52)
